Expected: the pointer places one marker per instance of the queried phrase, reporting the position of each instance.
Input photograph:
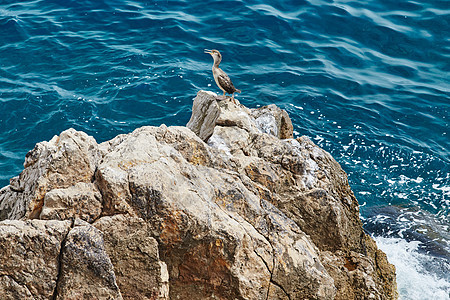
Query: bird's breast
(216, 73)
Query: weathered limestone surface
(134, 253)
(229, 207)
(30, 257)
(216, 236)
(81, 200)
(86, 270)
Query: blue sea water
(369, 81)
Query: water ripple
(367, 80)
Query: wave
(415, 280)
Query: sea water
(366, 80)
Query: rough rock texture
(81, 200)
(229, 207)
(60, 163)
(310, 187)
(134, 253)
(86, 269)
(210, 110)
(30, 256)
(215, 235)
(203, 122)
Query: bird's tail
(238, 91)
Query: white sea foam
(414, 282)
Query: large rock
(229, 207)
(60, 163)
(308, 186)
(216, 236)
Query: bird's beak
(208, 51)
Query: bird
(221, 78)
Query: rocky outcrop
(62, 162)
(308, 186)
(229, 207)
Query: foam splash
(414, 281)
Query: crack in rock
(60, 258)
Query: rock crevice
(60, 262)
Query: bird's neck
(216, 63)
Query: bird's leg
(232, 98)
(223, 94)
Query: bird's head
(215, 55)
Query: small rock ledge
(229, 207)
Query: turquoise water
(368, 81)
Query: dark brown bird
(221, 78)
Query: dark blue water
(369, 81)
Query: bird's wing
(226, 84)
